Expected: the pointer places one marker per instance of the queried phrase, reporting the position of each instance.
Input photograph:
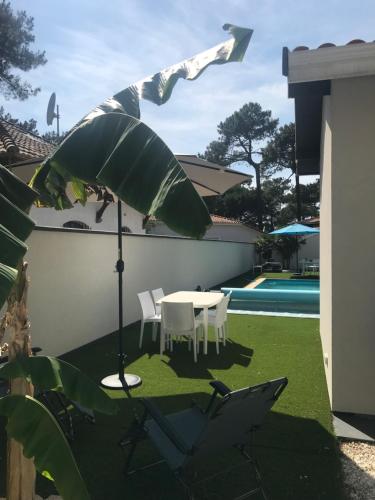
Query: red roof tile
(218, 219)
(17, 145)
(329, 44)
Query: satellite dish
(51, 114)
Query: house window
(76, 224)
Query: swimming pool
(277, 295)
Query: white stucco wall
(310, 250)
(326, 241)
(50, 217)
(224, 232)
(73, 292)
(348, 245)
(228, 232)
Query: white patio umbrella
(210, 179)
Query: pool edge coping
(277, 314)
(255, 283)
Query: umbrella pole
(297, 254)
(120, 380)
(120, 271)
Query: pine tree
(16, 35)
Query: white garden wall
(49, 217)
(310, 250)
(73, 293)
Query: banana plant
(110, 147)
(34, 432)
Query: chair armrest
(166, 426)
(219, 388)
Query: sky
(96, 48)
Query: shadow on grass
(104, 351)
(298, 459)
(232, 354)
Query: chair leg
(162, 341)
(200, 337)
(225, 331)
(195, 346)
(217, 330)
(154, 331)
(141, 333)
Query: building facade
(333, 88)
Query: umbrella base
(114, 382)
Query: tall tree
(53, 138)
(241, 139)
(275, 192)
(281, 152)
(16, 36)
(239, 203)
(309, 199)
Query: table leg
(205, 326)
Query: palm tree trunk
(20, 470)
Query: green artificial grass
(296, 447)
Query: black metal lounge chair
(184, 438)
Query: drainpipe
(298, 193)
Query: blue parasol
(295, 230)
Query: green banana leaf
(8, 277)
(15, 226)
(31, 424)
(14, 219)
(48, 373)
(12, 249)
(158, 87)
(111, 147)
(16, 190)
(123, 153)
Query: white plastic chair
(178, 320)
(157, 295)
(148, 315)
(218, 318)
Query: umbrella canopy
(295, 230)
(210, 179)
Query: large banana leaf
(8, 276)
(16, 190)
(12, 248)
(48, 373)
(158, 87)
(15, 226)
(110, 147)
(129, 158)
(14, 219)
(32, 425)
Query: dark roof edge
(285, 61)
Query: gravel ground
(358, 461)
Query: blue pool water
(279, 296)
(280, 284)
